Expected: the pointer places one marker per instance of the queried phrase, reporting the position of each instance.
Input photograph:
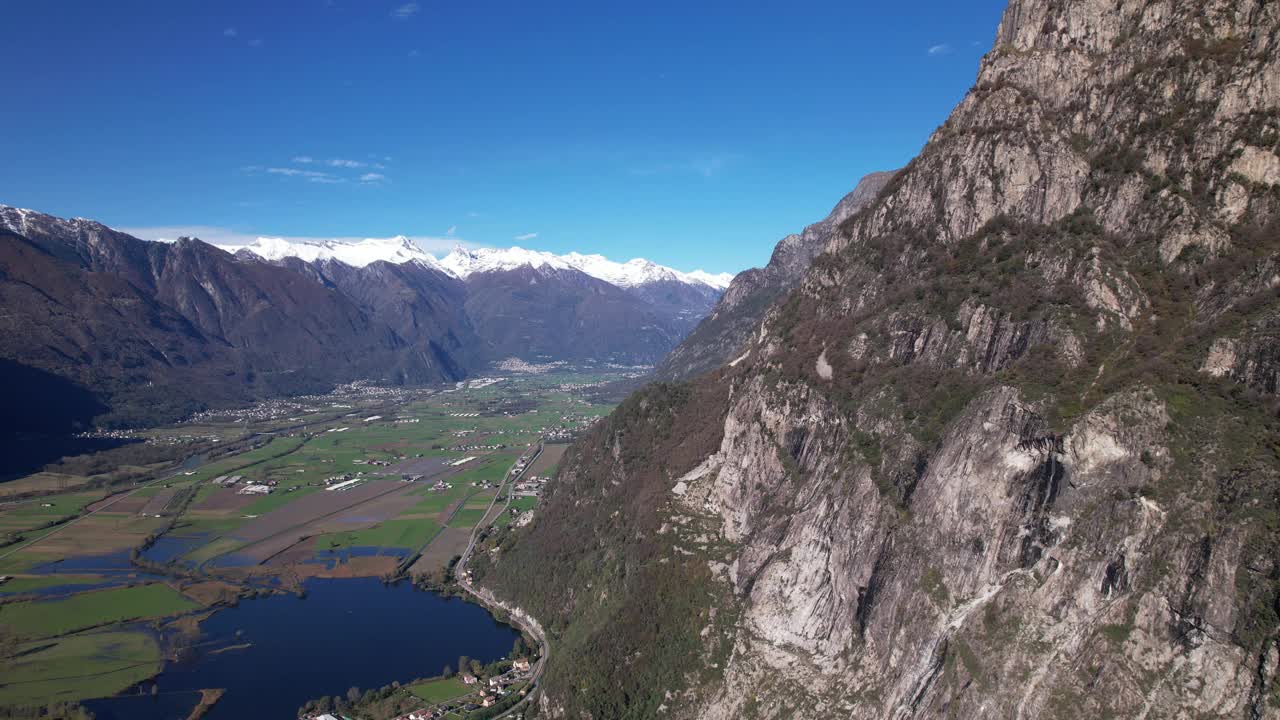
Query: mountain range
(1004, 446)
(155, 330)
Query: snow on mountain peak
(633, 273)
(462, 262)
(397, 250)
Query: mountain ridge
(162, 328)
(462, 262)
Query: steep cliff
(730, 323)
(1011, 448)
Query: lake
(344, 633)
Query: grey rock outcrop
(1007, 450)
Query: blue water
(330, 557)
(114, 566)
(344, 633)
(171, 547)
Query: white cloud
(312, 175)
(526, 236)
(304, 159)
(234, 238)
(405, 11)
(413, 53)
(342, 163)
(255, 43)
(451, 231)
(230, 32)
(940, 49)
(372, 178)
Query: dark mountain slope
(739, 312)
(541, 314)
(1009, 450)
(158, 329)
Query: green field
(78, 667)
(466, 518)
(20, 585)
(440, 689)
(58, 617)
(408, 534)
(70, 647)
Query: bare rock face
(1007, 449)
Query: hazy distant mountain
(531, 304)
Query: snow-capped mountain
(397, 250)
(157, 327)
(463, 262)
(633, 273)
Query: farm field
(368, 483)
(36, 619)
(79, 667)
(440, 689)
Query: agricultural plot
(77, 589)
(407, 534)
(37, 619)
(78, 667)
(549, 460)
(440, 689)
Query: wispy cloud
(314, 175)
(526, 236)
(343, 163)
(304, 159)
(255, 43)
(405, 11)
(372, 178)
(230, 32)
(232, 239)
(940, 49)
(453, 230)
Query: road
(465, 584)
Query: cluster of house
(344, 485)
(249, 488)
(465, 448)
(491, 691)
(375, 463)
(530, 486)
(466, 414)
(441, 486)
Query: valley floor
(105, 581)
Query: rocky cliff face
(1009, 450)
(739, 311)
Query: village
(470, 690)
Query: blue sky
(696, 134)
